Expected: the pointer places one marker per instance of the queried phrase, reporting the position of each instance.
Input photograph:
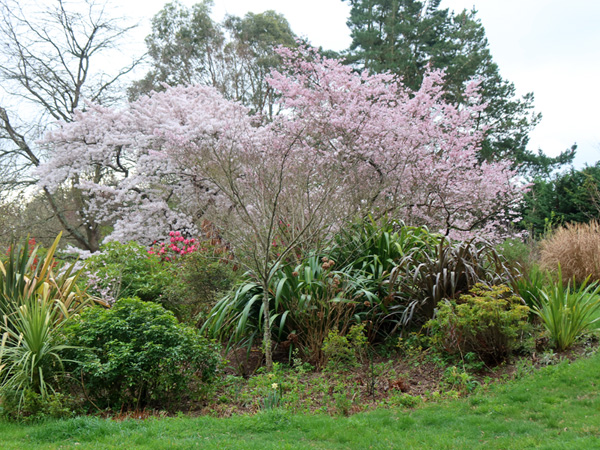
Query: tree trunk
(267, 345)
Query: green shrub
(307, 302)
(33, 406)
(386, 277)
(518, 253)
(376, 258)
(199, 278)
(349, 283)
(136, 355)
(127, 270)
(488, 322)
(342, 352)
(404, 400)
(425, 279)
(568, 311)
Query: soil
(372, 385)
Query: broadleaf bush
(344, 351)
(197, 280)
(135, 355)
(123, 270)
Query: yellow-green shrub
(488, 322)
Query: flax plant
(568, 311)
(35, 301)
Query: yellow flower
(274, 385)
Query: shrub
(375, 259)
(197, 281)
(136, 355)
(488, 322)
(126, 270)
(349, 283)
(383, 277)
(424, 279)
(342, 352)
(33, 406)
(576, 249)
(308, 301)
(568, 311)
(518, 253)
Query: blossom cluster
(178, 245)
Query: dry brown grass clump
(576, 247)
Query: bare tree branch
(49, 60)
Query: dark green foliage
(127, 270)
(195, 284)
(181, 38)
(387, 277)
(254, 39)
(406, 37)
(137, 355)
(375, 249)
(33, 406)
(489, 321)
(572, 196)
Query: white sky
(548, 47)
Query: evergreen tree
(406, 37)
(572, 196)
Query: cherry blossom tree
(345, 145)
(417, 152)
(50, 63)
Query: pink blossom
(392, 149)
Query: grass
(554, 408)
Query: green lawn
(555, 408)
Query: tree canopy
(394, 150)
(407, 37)
(187, 47)
(570, 196)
